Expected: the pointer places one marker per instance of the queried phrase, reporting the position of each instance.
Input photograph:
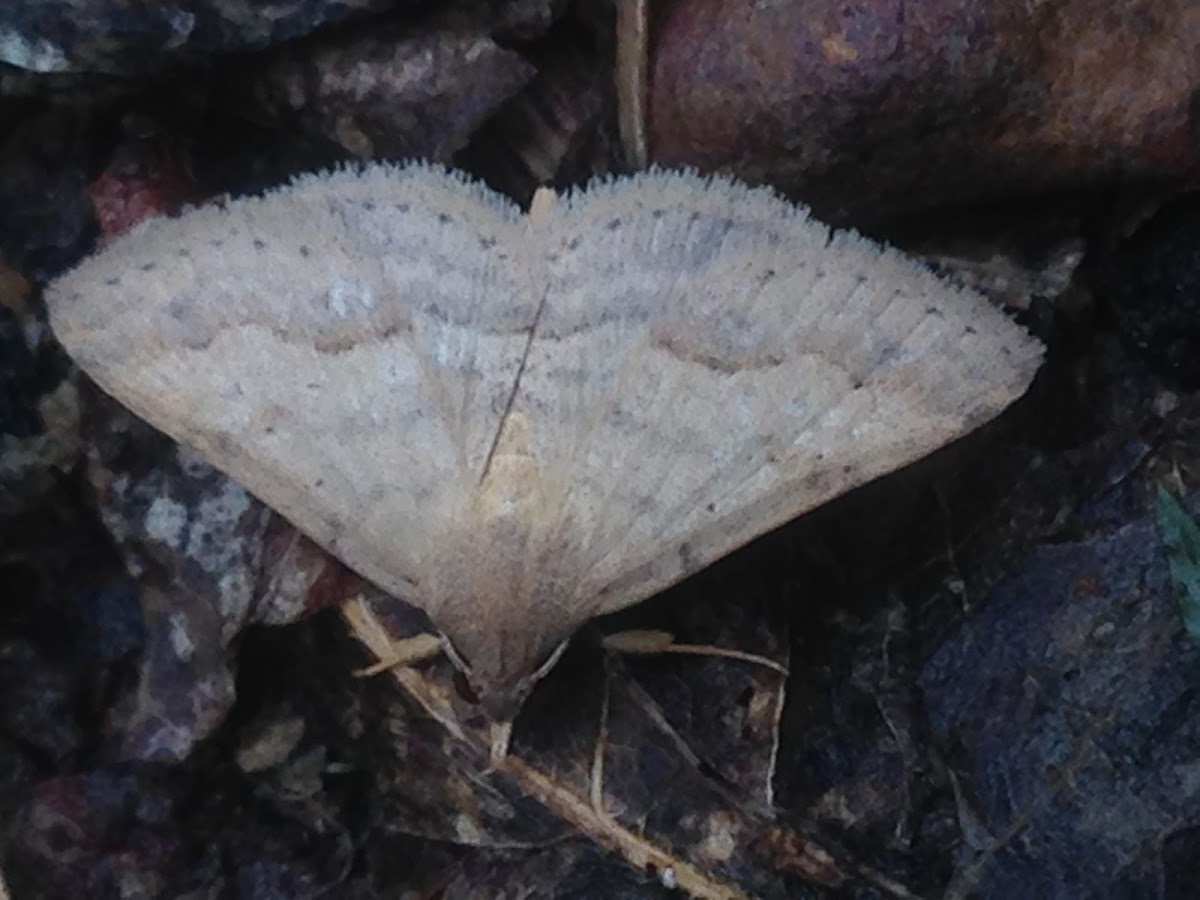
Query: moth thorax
(511, 487)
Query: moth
(519, 422)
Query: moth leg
(647, 641)
(405, 652)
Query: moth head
(502, 689)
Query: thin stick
(632, 63)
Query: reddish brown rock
(888, 106)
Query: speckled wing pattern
(712, 363)
(344, 348)
(520, 423)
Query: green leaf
(1181, 539)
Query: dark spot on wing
(148, 267)
(817, 481)
(687, 557)
(177, 307)
(304, 251)
(259, 244)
